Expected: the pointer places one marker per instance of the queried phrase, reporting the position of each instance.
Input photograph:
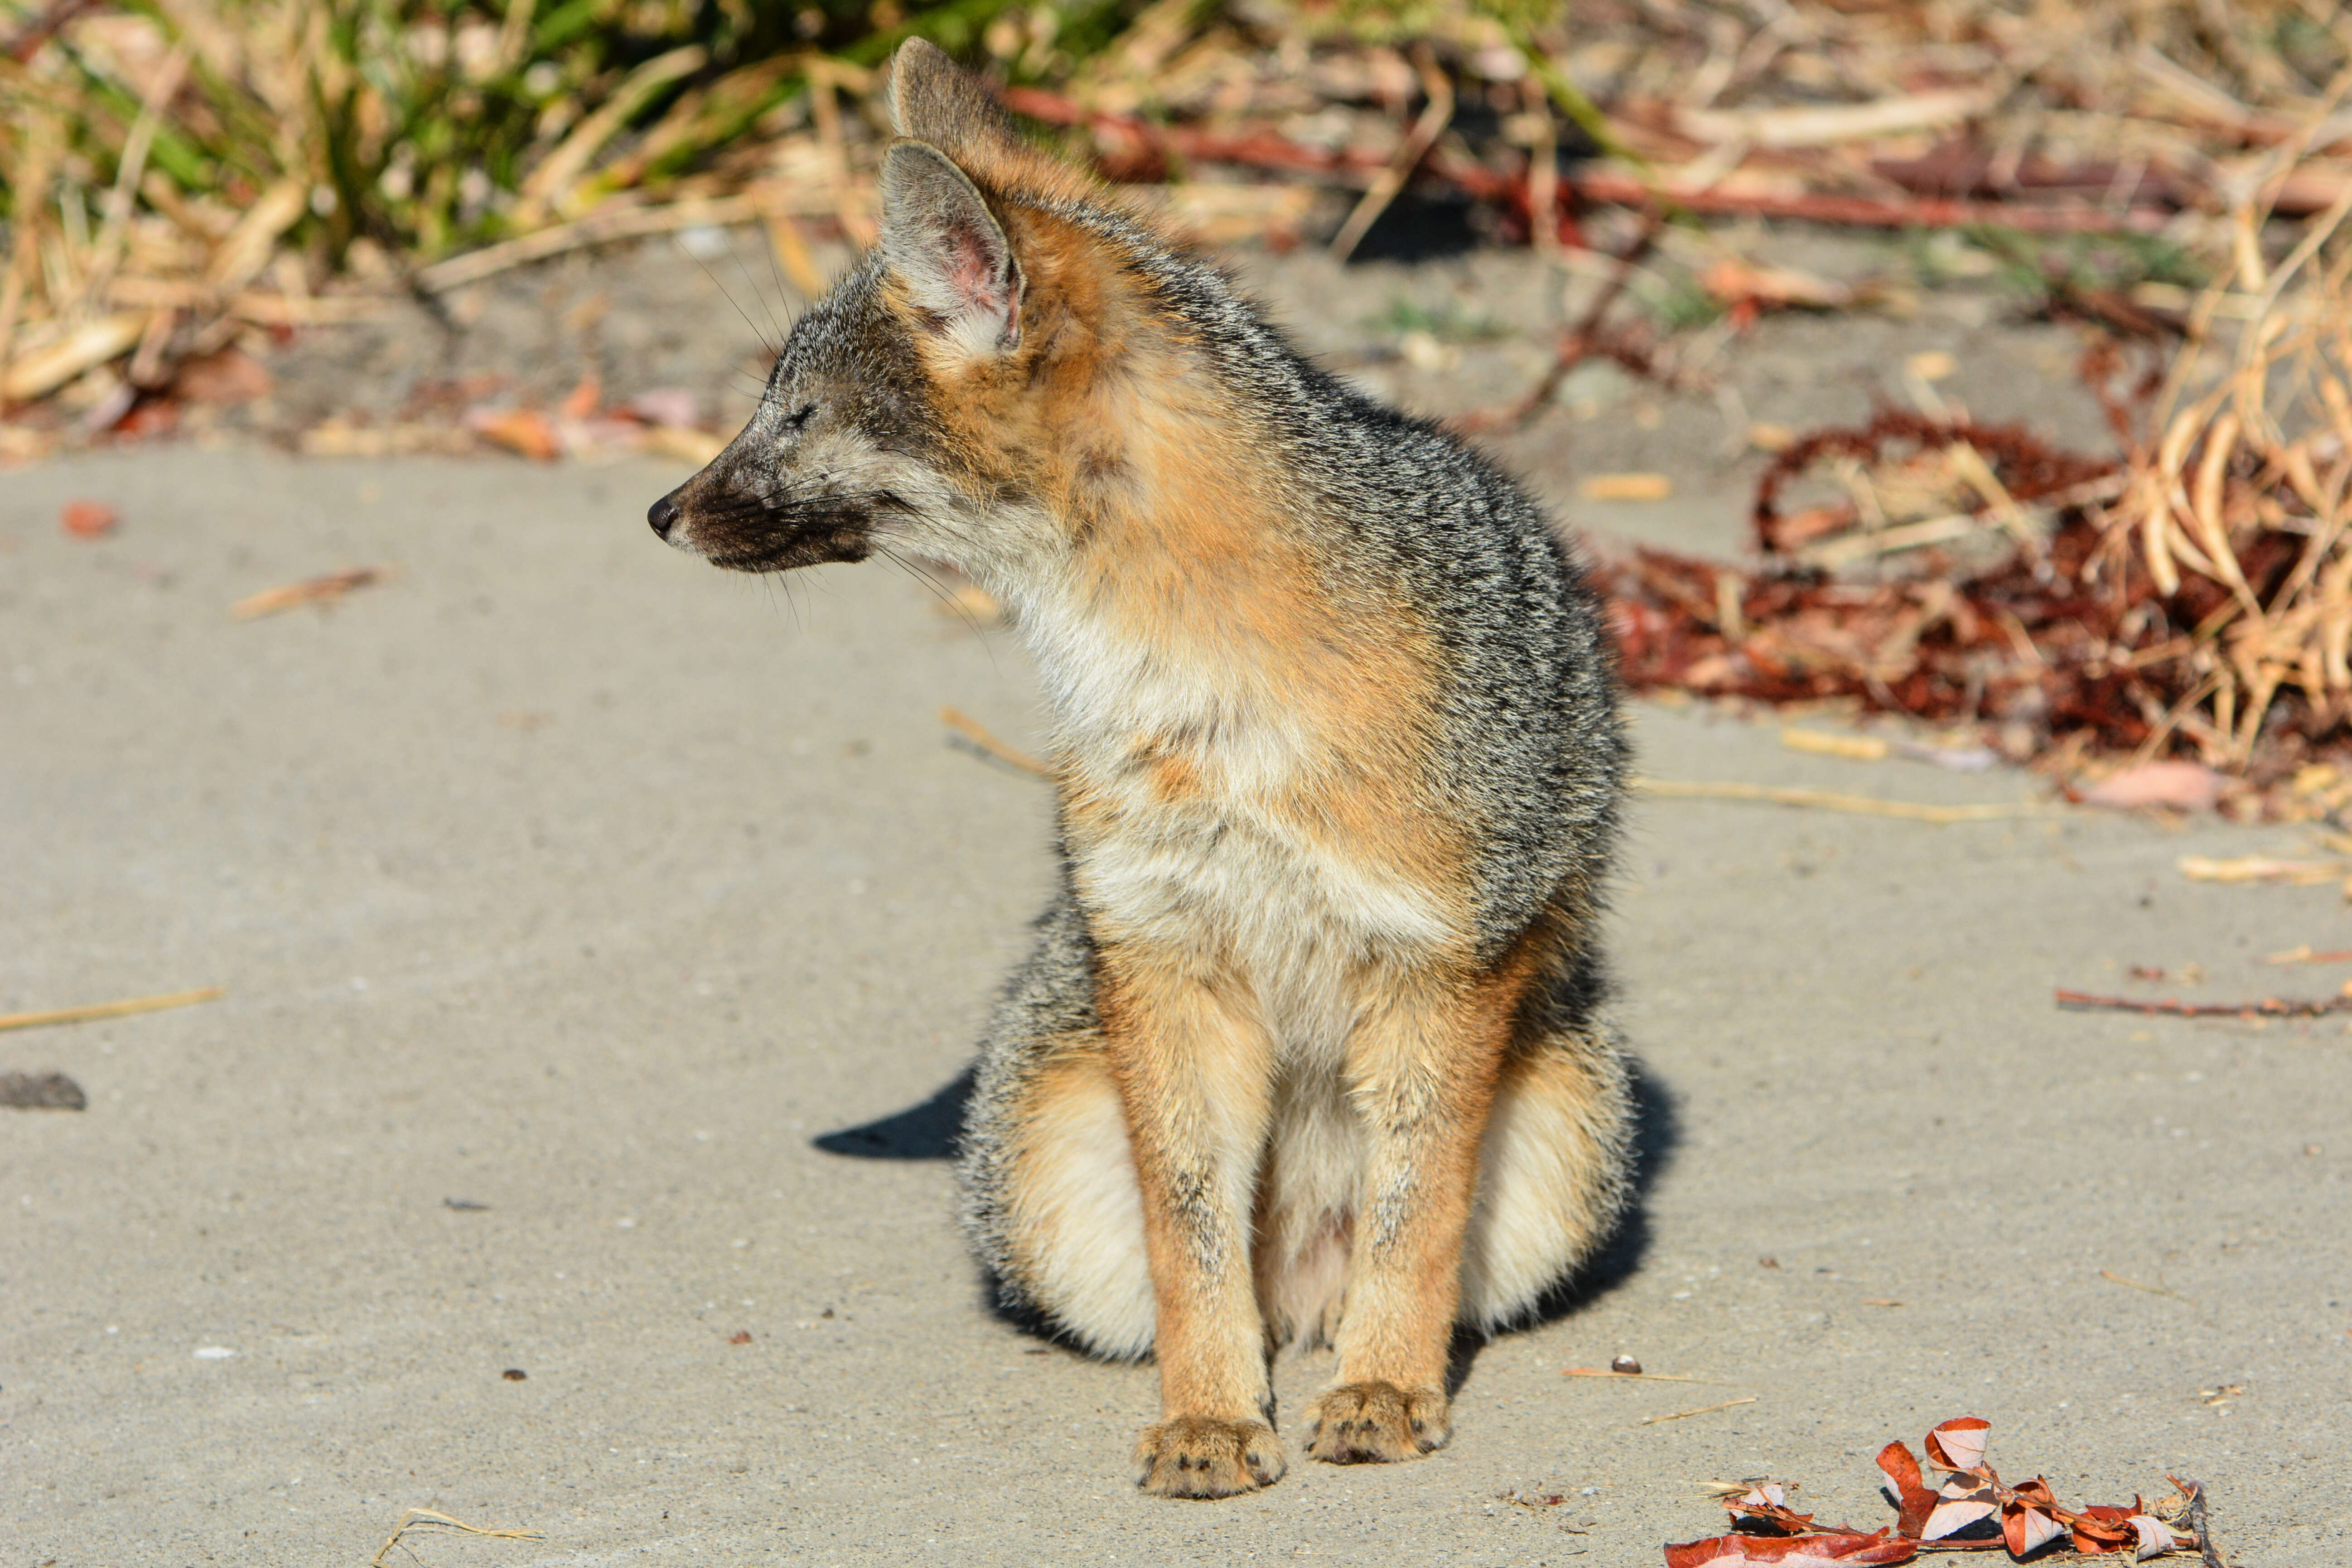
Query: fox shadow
(932, 1129)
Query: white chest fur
(1186, 769)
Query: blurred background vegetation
(177, 176)
(423, 126)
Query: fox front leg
(1195, 1071)
(1422, 1070)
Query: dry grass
(177, 175)
(2241, 493)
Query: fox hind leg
(1050, 1196)
(1554, 1164)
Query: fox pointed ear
(934, 99)
(949, 250)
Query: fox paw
(1194, 1456)
(1377, 1423)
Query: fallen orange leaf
(89, 518)
(524, 431)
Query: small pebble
(1627, 1365)
(514, 1374)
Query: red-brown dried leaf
(1964, 1501)
(1819, 1550)
(1958, 1444)
(2035, 1493)
(2026, 1529)
(583, 399)
(524, 431)
(2099, 1528)
(1904, 1485)
(230, 376)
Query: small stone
(514, 1374)
(41, 1091)
(1627, 1365)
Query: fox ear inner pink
(948, 249)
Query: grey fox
(1315, 1042)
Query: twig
(617, 219)
(1872, 212)
(41, 29)
(1654, 1420)
(2197, 1524)
(1583, 340)
(416, 1516)
(1417, 142)
(310, 591)
(2141, 1285)
(1630, 1376)
(109, 1009)
(2268, 1007)
(1909, 811)
(973, 730)
(2305, 955)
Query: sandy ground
(603, 937)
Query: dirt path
(600, 934)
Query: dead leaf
(230, 376)
(89, 518)
(524, 431)
(1802, 527)
(583, 399)
(1958, 1444)
(1626, 487)
(1908, 1488)
(44, 370)
(1818, 1551)
(2025, 1529)
(696, 446)
(666, 405)
(311, 591)
(2155, 1537)
(1734, 282)
(1964, 1500)
(2184, 786)
(2099, 1528)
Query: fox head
(946, 396)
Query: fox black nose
(663, 516)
